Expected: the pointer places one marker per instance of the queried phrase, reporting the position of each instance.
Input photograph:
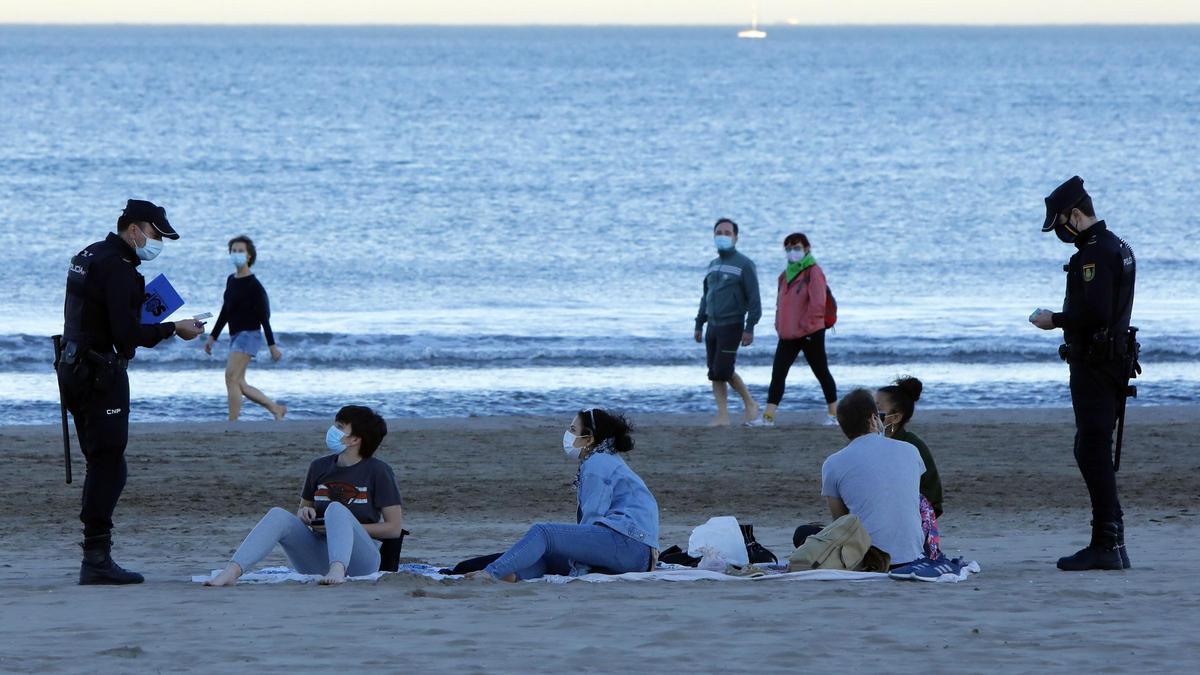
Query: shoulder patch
(1089, 271)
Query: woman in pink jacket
(800, 323)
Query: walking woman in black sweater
(246, 309)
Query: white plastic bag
(720, 539)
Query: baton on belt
(62, 406)
(1132, 370)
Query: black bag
(389, 552)
(756, 552)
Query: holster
(88, 370)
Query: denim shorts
(247, 342)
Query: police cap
(1064, 198)
(140, 211)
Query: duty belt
(73, 351)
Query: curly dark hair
(604, 424)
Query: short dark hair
(796, 238)
(726, 220)
(1085, 205)
(365, 424)
(854, 413)
(251, 252)
(605, 424)
(124, 221)
(904, 394)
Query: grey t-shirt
(879, 479)
(366, 488)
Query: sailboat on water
(753, 33)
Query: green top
(931, 482)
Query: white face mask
(795, 256)
(238, 259)
(723, 242)
(569, 445)
(150, 249)
(334, 438)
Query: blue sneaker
(908, 571)
(932, 570)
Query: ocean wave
(28, 353)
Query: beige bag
(841, 546)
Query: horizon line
(778, 24)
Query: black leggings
(786, 352)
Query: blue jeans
(551, 548)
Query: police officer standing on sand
(103, 330)
(1095, 323)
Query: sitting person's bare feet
(485, 576)
(336, 575)
(227, 577)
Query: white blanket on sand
(275, 575)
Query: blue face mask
(723, 242)
(333, 439)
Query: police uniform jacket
(1100, 281)
(104, 300)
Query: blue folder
(161, 300)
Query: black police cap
(1064, 197)
(142, 211)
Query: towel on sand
(275, 575)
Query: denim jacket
(611, 494)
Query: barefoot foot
(336, 575)
(751, 413)
(719, 421)
(227, 577)
(279, 411)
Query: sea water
(479, 221)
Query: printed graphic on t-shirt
(345, 493)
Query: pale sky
(660, 12)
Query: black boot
(99, 568)
(1121, 546)
(1101, 554)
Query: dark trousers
(1095, 395)
(813, 347)
(102, 423)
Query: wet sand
(1014, 502)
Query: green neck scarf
(795, 268)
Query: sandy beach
(1014, 502)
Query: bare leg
(252, 393)
(227, 577)
(833, 409)
(721, 394)
(235, 372)
(751, 407)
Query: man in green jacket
(730, 305)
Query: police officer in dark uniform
(102, 332)
(1095, 323)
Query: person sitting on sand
(896, 403)
(350, 498)
(618, 517)
(877, 479)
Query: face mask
(882, 425)
(569, 445)
(795, 256)
(333, 439)
(1065, 232)
(150, 249)
(238, 259)
(723, 242)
